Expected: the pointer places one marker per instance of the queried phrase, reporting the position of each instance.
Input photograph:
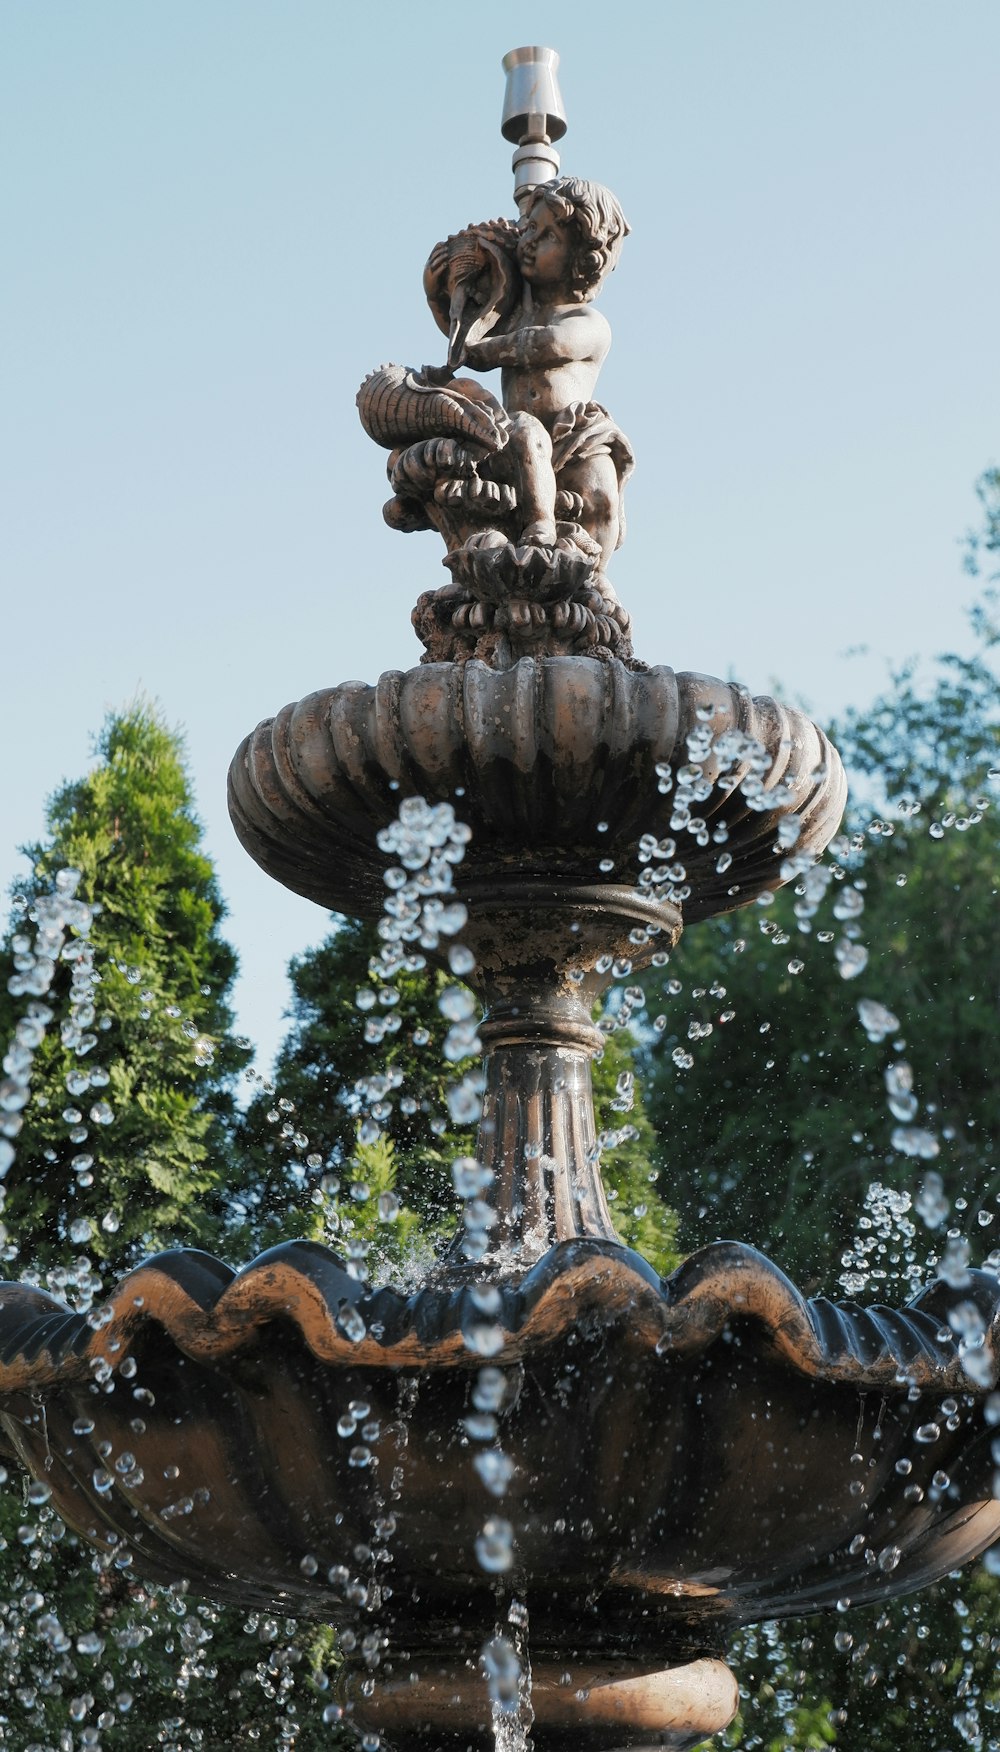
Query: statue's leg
(529, 454)
(595, 478)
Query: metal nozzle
(533, 116)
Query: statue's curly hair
(599, 227)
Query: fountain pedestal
(435, 1707)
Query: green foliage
(83, 1649)
(630, 1166)
(317, 1095)
(782, 1131)
(155, 1040)
(78, 1640)
(919, 1673)
(778, 1127)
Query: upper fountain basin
(559, 765)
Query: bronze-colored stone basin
(553, 764)
(688, 1454)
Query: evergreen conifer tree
(115, 990)
(126, 1037)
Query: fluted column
(538, 1133)
(545, 952)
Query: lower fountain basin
(688, 1454)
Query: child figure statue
(526, 492)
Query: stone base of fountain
(446, 1705)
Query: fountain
(568, 1480)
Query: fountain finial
(533, 118)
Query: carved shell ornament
(481, 284)
(398, 406)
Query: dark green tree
(778, 1124)
(306, 1126)
(632, 1160)
(130, 960)
(125, 1138)
(784, 1118)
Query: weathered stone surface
(682, 1449)
(552, 763)
(527, 491)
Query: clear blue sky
(215, 214)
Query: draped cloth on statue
(585, 430)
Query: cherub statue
(527, 492)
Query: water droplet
(876, 1020)
(457, 1003)
(351, 1324)
(388, 1207)
(480, 1427)
(930, 1203)
(491, 1385)
(915, 1141)
(484, 1337)
(465, 1099)
(495, 1546)
(851, 958)
(495, 1469)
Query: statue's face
(545, 248)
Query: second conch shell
(398, 406)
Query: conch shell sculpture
(398, 406)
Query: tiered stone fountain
(684, 1455)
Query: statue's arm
(582, 336)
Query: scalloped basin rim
(541, 753)
(211, 1313)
